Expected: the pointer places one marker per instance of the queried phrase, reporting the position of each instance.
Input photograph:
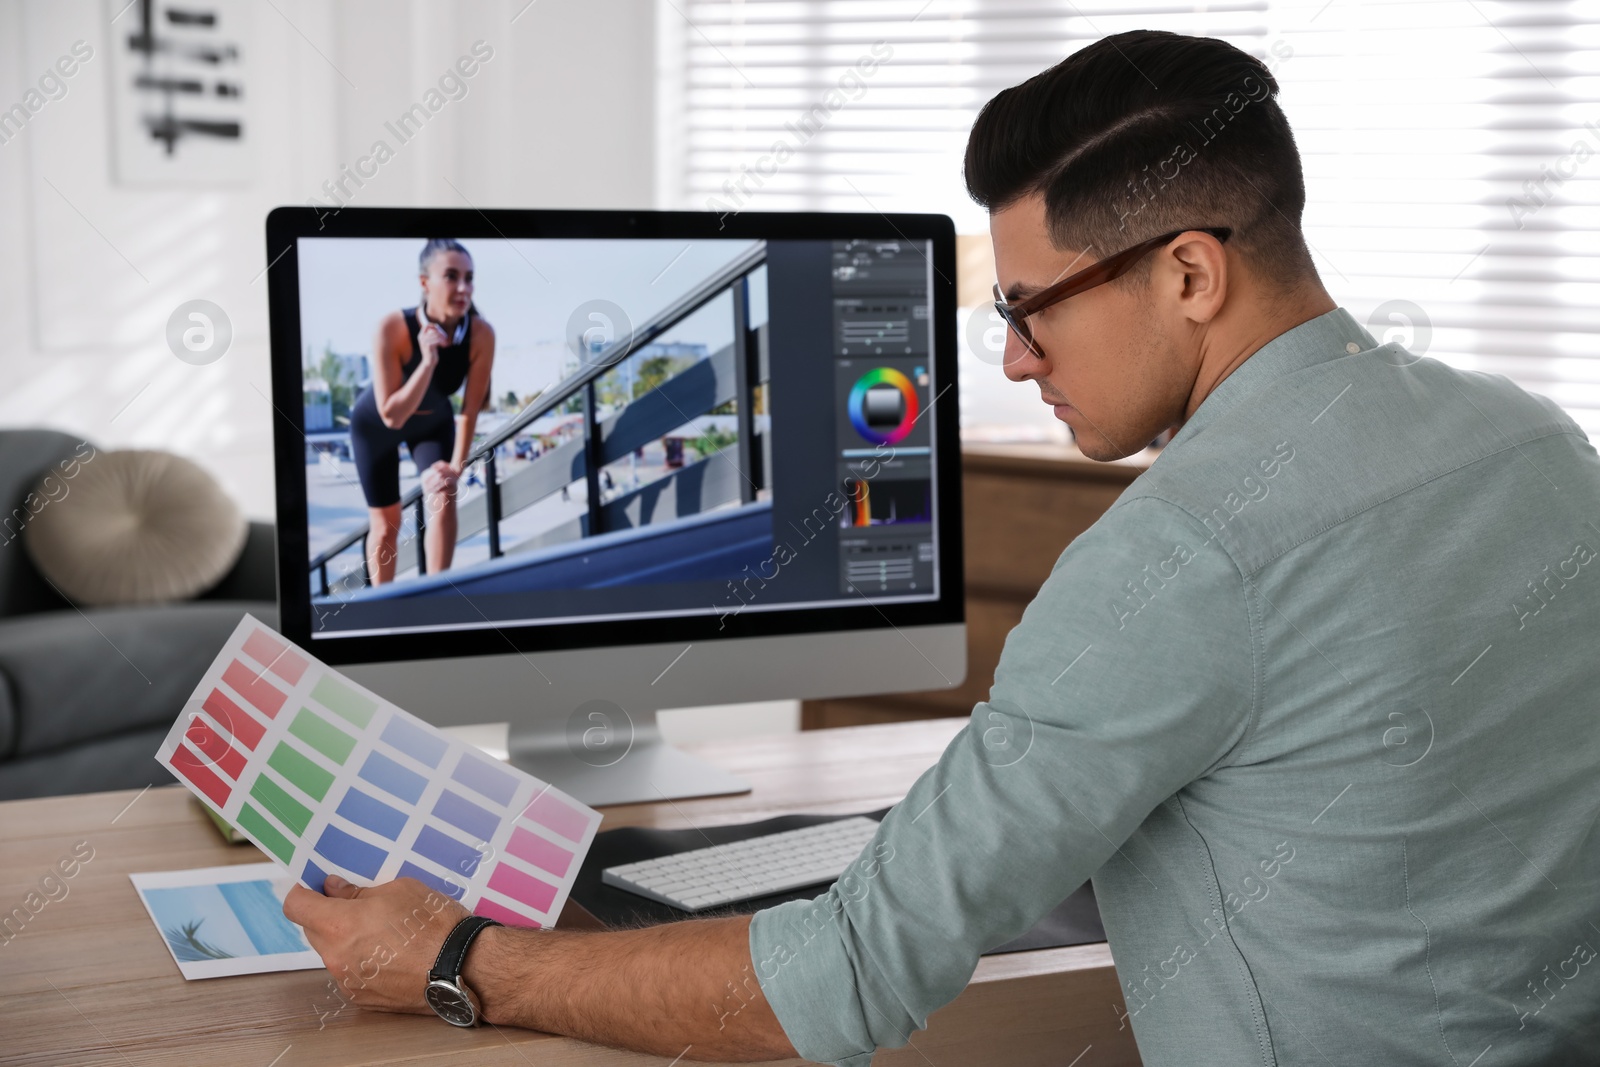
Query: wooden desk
(88, 981)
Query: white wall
(561, 116)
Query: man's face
(1116, 368)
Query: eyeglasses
(1114, 266)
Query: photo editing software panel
(882, 377)
(665, 428)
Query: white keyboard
(741, 870)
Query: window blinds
(1451, 147)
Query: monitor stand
(601, 759)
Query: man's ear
(1198, 267)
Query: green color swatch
(309, 778)
(276, 799)
(321, 735)
(343, 701)
(265, 833)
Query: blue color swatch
(447, 852)
(463, 814)
(351, 853)
(373, 814)
(428, 878)
(414, 741)
(484, 777)
(392, 778)
(314, 876)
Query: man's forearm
(684, 988)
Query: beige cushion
(135, 527)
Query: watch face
(451, 1004)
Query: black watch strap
(453, 953)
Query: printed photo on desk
(221, 921)
(329, 778)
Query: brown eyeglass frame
(1016, 315)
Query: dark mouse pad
(1075, 921)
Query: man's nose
(1021, 363)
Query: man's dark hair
(1143, 133)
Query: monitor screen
(514, 434)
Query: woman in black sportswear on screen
(421, 356)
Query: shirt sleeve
(1130, 675)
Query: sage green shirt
(1316, 703)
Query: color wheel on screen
(883, 405)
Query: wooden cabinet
(1022, 504)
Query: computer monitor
(712, 459)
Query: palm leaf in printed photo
(188, 947)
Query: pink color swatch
(524, 887)
(542, 853)
(491, 910)
(553, 813)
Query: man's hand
(686, 989)
(378, 942)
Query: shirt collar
(1332, 335)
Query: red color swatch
(217, 751)
(187, 763)
(254, 688)
(234, 719)
(276, 656)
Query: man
(1314, 703)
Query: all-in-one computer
(711, 459)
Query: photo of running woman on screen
(422, 356)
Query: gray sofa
(87, 695)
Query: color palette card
(331, 778)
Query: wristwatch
(446, 993)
